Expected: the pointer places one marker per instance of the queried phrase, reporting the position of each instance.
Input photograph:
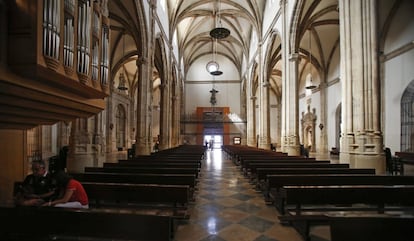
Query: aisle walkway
(227, 208)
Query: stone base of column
(292, 150)
(90, 157)
(143, 149)
(375, 161)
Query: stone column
(175, 128)
(290, 97)
(361, 138)
(164, 116)
(264, 108)
(144, 109)
(251, 121)
(323, 141)
(290, 109)
(144, 95)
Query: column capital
(141, 61)
(253, 97)
(294, 57)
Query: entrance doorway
(214, 141)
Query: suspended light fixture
(212, 66)
(309, 83)
(219, 32)
(122, 82)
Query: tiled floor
(227, 208)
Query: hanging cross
(213, 99)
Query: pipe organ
(59, 48)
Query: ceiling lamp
(212, 66)
(219, 32)
(122, 85)
(121, 81)
(309, 83)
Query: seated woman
(72, 195)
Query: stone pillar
(251, 121)
(290, 97)
(175, 128)
(164, 116)
(143, 138)
(144, 96)
(323, 139)
(290, 109)
(361, 138)
(264, 108)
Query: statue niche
(308, 129)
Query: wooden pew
(151, 164)
(248, 162)
(172, 199)
(247, 159)
(274, 183)
(146, 159)
(371, 227)
(137, 178)
(254, 166)
(261, 173)
(50, 223)
(405, 158)
(159, 170)
(308, 205)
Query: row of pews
(308, 193)
(136, 199)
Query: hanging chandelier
(122, 82)
(219, 32)
(212, 66)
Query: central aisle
(227, 208)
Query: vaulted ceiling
(192, 20)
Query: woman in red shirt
(73, 194)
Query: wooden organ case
(57, 62)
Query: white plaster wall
(333, 99)
(398, 73)
(198, 95)
(199, 83)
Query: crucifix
(213, 100)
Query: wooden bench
(50, 223)
(247, 163)
(274, 183)
(245, 160)
(308, 205)
(161, 159)
(170, 199)
(140, 178)
(405, 158)
(261, 173)
(151, 164)
(376, 227)
(254, 166)
(159, 170)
